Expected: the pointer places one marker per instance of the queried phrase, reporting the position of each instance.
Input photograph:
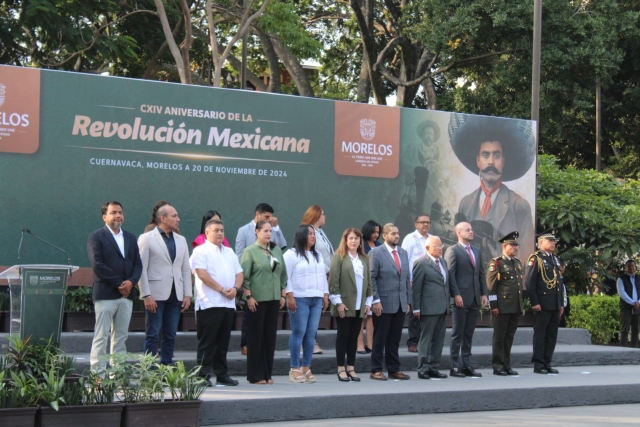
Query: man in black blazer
(468, 288)
(116, 264)
(389, 266)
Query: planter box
(138, 321)
(187, 322)
(90, 415)
(161, 414)
(78, 322)
(18, 417)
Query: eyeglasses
(423, 222)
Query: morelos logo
(2, 93)
(33, 280)
(368, 129)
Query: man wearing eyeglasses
(415, 245)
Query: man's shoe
(424, 376)
(434, 373)
(500, 372)
(226, 380)
(470, 372)
(243, 350)
(399, 376)
(378, 376)
(541, 371)
(412, 349)
(456, 372)
(511, 372)
(551, 370)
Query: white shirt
(416, 246)
(221, 263)
(307, 279)
(358, 268)
(119, 239)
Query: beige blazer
(158, 273)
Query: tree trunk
(429, 93)
(173, 47)
(272, 59)
(293, 66)
(364, 83)
(186, 46)
(369, 43)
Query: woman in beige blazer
(351, 295)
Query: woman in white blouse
(351, 295)
(307, 296)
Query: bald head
(434, 246)
(464, 233)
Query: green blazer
(263, 284)
(342, 281)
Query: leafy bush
(79, 299)
(600, 315)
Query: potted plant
(17, 399)
(79, 312)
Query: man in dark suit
(389, 266)
(468, 288)
(115, 259)
(504, 281)
(430, 305)
(543, 282)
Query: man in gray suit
(389, 265)
(247, 237)
(430, 304)
(468, 288)
(247, 233)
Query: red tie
(486, 206)
(438, 265)
(470, 256)
(397, 260)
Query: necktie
(486, 206)
(438, 265)
(470, 256)
(397, 260)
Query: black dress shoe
(500, 372)
(367, 349)
(456, 372)
(424, 376)
(551, 370)
(226, 380)
(540, 371)
(434, 373)
(470, 372)
(511, 372)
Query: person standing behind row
(307, 296)
(201, 238)
(629, 291)
(351, 294)
(219, 278)
(265, 279)
(370, 233)
(165, 283)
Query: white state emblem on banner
(368, 129)
(33, 280)
(2, 92)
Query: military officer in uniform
(504, 280)
(544, 285)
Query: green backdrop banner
(70, 142)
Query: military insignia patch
(531, 262)
(492, 267)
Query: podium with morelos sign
(37, 299)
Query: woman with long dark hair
(307, 295)
(201, 237)
(265, 280)
(351, 294)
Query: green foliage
(600, 315)
(4, 300)
(281, 19)
(79, 299)
(140, 381)
(182, 384)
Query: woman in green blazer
(265, 280)
(351, 295)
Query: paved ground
(585, 416)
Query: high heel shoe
(353, 377)
(344, 380)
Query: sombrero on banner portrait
(467, 132)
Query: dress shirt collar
(118, 234)
(390, 249)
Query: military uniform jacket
(504, 280)
(543, 281)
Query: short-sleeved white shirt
(222, 265)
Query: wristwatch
(248, 297)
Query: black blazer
(110, 269)
(465, 279)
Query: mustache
(491, 169)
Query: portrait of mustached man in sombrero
(498, 150)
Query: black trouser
(347, 338)
(545, 334)
(504, 329)
(243, 334)
(414, 330)
(629, 321)
(387, 332)
(214, 332)
(262, 329)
